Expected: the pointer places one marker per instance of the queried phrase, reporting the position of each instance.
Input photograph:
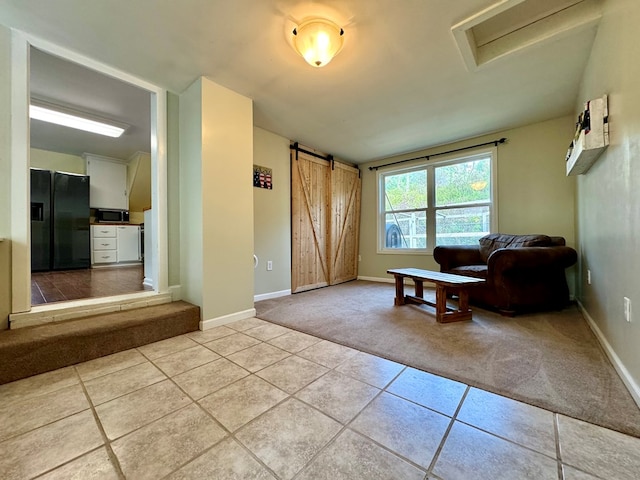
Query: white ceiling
(400, 84)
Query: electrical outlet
(588, 277)
(627, 309)
(269, 265)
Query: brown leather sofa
(523, 272)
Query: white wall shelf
(589, 144)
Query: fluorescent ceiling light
(58, 117)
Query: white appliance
(128, 243)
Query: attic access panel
(510, 26)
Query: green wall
(608, 197)
(59, 162)
(272, 215)
(216, 201)
(5, 176)
(534, 193)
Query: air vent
(510, 26)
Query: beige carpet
(551, 360)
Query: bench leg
(419, 288)
(444, 316)
(399, 290)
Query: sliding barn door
(345, 223)
(310, 183)
(325, 222)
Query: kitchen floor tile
(599, 451)
(258, 357)
(204, 336)
(266, 332)
(47, 447)
(226, 460)
(94, 465)
(370, 369)
(338, 396)
(127, 413)
(232, 344)
(156, 350)
(355, 457)
(246, 324)
(242, 401)
(117, 384)
(161, 447)
(31, 413)
(37, 385)
(472, 453)
(327, 353)
(288, 436)
(293, 342)
(109, 364)
(292, 373)
(428, 390)
(209, 377)
(184, 360)
(516, 421)
(408, 429)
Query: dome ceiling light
(318, 40)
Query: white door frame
(20, 179)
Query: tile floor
(254, 400)
(63, 285)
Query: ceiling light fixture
(65, 117)
(318, 40)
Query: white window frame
(430, 166)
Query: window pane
(463, 183)
(462, 226)
(405, 191)
(406, 230)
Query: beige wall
(216, 212)
(5, 176)
(59, 162)
(608, 197)
(534, 194)
(272, 215)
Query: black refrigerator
(60, 237)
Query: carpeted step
(33, 350)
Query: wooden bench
(444, 282)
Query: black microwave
(112, 216)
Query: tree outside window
(436, 203)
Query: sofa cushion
(475, 271)
(494, 241)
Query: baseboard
(267, 296)
(176, 292)
(232, 317)
(626, 377)
(377, 279)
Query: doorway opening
(65, 254)
(27, 150)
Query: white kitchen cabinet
(107, 182)
(115, 244)
(104, 244)
(128, 243)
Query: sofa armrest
(505, 259)
(451, 256)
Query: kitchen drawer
(104, 243)
(104, 230)
(105, 256)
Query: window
(450, 202)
